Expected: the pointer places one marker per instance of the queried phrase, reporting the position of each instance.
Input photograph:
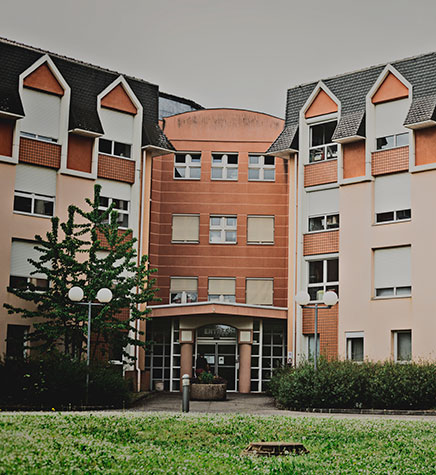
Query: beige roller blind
(185, 228)
(260, 229)
(20, 253)
(260, 291)
(222, 286)
(183, 284)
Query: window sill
(22, 213)
(389, 148)
(117, 156)
(260, 243)
(391, 297)
(223, 179)
(393, 222)
(322, 161)
(322, 231)
(186, 179)
(227, 243)
(185, 242)
(269, 181)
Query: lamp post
(330, 298)
(104, 295)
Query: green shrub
(56, 380)
(344, 384)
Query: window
(21, 273)
(259, 291)
(224, 166)
(121, 206)
(183, 290)
(402, 345)
(15, 341)
(321, 146)
(354, 346)
(222, 230)
(260, 230)
(185, 228)
(110, 147)
(311, 346)
(392, 141)
(392, 271)
(392, 198)
(35, 190)
(323, 276)
(42, 115)
(221, 289)
(187, 166)
(323, 222)
(261, 168)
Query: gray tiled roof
(86, 82)
(351, 90)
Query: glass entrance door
(222, 357)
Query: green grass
(210, 444)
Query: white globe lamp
(104, 295)
(75, 294)
(330, 298)
(302, 298)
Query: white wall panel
(389, 117)
(33, 179)
(115, 189)
(392, 267)
(323, 202)
(117, 126)
(392, 192)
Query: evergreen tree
(88, 251)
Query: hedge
(347, 385)
(59, 381)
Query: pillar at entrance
(244, 367)
(185, 360)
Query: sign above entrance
(217, 332)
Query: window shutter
(389, 117)
(260, 229)
(392, 192)
(323, 202)
(32, 179)
(20, 253)
(42, 113)
(260, 291)
(222, 286)
(117, 126)
(115, 189)
(183, 284)
(392, 267)
(186, 228)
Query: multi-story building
(363, 146)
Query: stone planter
(208, 392)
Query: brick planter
(208, 392)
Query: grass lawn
(210, 444)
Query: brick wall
(115, 168)
(40, 153)
(390, 161)
(321, 173)
(321, 243)
(327, 329)
(103, 240)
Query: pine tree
(88, 251)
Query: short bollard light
(185, 392)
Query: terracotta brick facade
(40, 153)
(114, 168)
(321, 173)
(321, 243)
(103, 240)
(390, 161)
(327, 329)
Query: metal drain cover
(275, 448)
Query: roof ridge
(74, 60)
(361, 70)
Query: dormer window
(321, 143)
(393, 141)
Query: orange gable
(322, 104)
(43, 80)
(390, 90)
(119, 100)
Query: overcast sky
(226, 53)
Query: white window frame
(392, 292)
(261, 166)
(395, 219)
(33, 197)
(263, 243)
(188, 165)
(184, 297)
(395, 136)
(40, 138)
(223, 227)
(396, 333)
(224, 165)
(30, 280)
(188, 241)
(229, 298)
(349, 337)
(324, 217)
(323, 146)
(120, 211)
(112, 154)
(324, 284)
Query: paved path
(258, 404)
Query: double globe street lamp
(329, 299)
(104, 295)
